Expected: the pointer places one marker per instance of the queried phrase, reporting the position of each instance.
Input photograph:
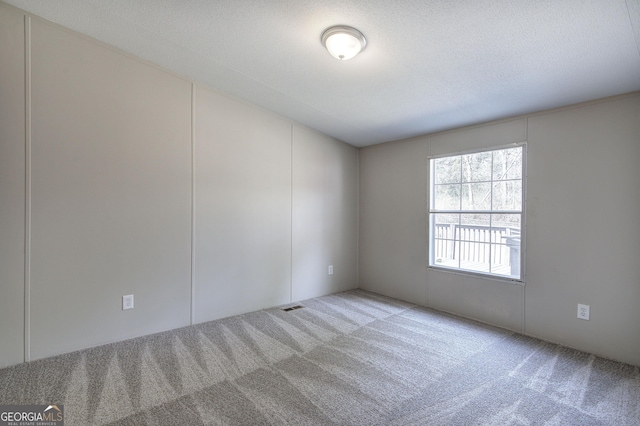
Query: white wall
(393, 232)
(243, 207)
(325, 216)
(582, 234)
(111, 164)
(144, 183)
(276, 203)
(110, 196)
(12, 186)
(584, 228)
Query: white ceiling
(429, 65)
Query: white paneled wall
(110, 194)
(144, 183)
(582, 232)
(118, 178)
(242, 209)
(393, 231)
(12, 186)
(583, 228)
(324, 215)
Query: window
(475, 212)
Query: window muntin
(475, 212)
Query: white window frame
(431, 264)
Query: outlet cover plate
(583, 311)
(330, 270)
(127, 302)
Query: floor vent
(293, 308)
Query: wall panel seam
(193, 205)
(524, 253)
(427, 223)
(291, 216)
(27, 198)
(357, 218)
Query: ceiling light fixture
(343, 42)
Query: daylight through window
(475, 212)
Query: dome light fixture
(343, 42)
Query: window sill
(473, 274)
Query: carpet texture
(353, 358)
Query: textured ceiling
(429, 65)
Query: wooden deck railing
(475, 243)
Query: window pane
(476, 196)
(475, 256)
(507, 164)
(444, 248)
(500, 255)
(476, 167)
(474, 228)
(446, 170)
(505, 258)
(447, 197)
(508, 224)
(479, 240)
(499, 258)
(445, 225)
(507, 195)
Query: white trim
(357, 283)
(476, 211)
(27, 198)
(477, 150)
(475, 274)
(523, 216)
(291, 215)
(193, 205)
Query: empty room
(242, 212)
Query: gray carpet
(354, 358)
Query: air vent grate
(293, 308)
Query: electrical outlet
(330, 270)
(583, 311)
(127, 302)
